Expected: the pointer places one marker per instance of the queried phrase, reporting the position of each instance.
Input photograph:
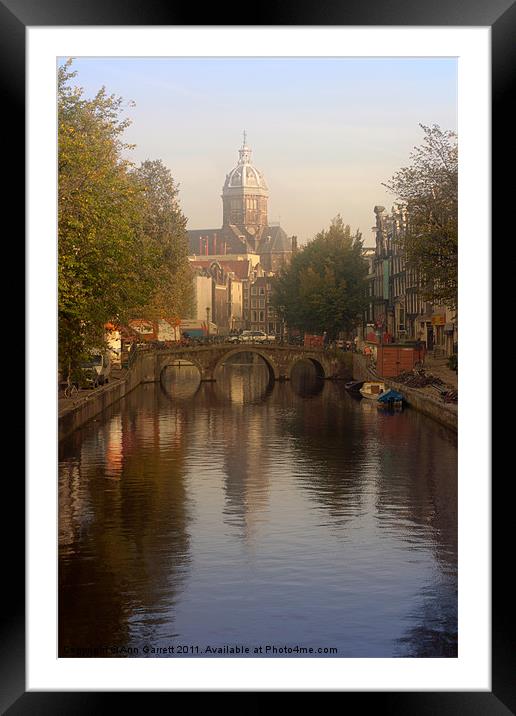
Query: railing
(215, 342)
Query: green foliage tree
(428, 189)
(323, 288)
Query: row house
(395, 310)
(259, 311)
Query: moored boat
(390, 399)
(354, 386)
(372, 389)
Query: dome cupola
(244, 196)
(244, 175)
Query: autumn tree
(323, 288)
(428, 190)
(121, 235)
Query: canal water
(250, 518)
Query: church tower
(244, 200)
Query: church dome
(244, 175)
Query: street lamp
(208, 321)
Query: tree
(121, 235)
(323, 288)
(163, 226)
(428, 190)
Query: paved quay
(81, 397)
(427, 399)
(439, 368)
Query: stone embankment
(87, 404)
(425, 400)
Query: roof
(216, 238)
(241, 269)
(274, 240)
(195, 245)
(244, 174)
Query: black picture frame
(500, 16)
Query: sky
(325, 132)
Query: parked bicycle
(71, 389)
(70, 385)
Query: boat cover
(390, 395)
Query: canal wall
(86, 408)
(360, 368)
(446, 414)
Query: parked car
(259, 336)
(234, 338)
(246, 336)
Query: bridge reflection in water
(257, 512)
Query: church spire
(245, 152)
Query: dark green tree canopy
(428, 188)
(323, 288)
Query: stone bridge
(279, 359)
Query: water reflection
(255, 512)
(305, 381)
(180, 381)
(124, 548)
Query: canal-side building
(395, 310)
(218, 293)
(245, 231)
(259, 311)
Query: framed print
(120, 542)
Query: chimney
(200, 245)
(206, 245)
(294, 244)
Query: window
(253, 290)
(253, 316)
(262, 291)
(262, 315)
(262, 303)
(401, 326)
(253, 303)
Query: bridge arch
(271, 364)
(172, 361)
(318, 365)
